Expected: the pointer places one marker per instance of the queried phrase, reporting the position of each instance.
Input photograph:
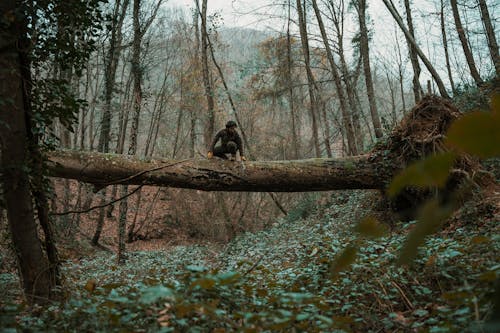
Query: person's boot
(232, 158)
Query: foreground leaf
(344, 260)
(476, 133)
(431, 216)
(371, 228)
(430, 172)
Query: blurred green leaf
(197, 269)
(228, 277)
(430, 217)
(432, 171)
(476, 133)
(153, 294)
(204, 283)
(344, 260)
(371, 228)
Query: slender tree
(111, 63)
(349, 130)
(445, 46)
(365, 55)
(289, 78)
(490, 34)
(210, 125)
(413, 52)
(465, 44)
(313, 94)
(400, 70)
(338, 17)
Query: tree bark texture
(465, 44)
(346, 119)
(210, 127)
(313, 95)
(490, 34)
(338, 19)
(365, 55)
(33, 265)
(291, 95)
(413, 53)
(113, 55)
(359, 172)
(445, 46)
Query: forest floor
(310, 271)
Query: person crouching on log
(230, 143)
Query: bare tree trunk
(193, 116)
(465, 44)
(351, 141)
(100, 218)
(445, 46)
(400, 73)
(428, 65)
(155, 117)
(326, 126)
(393, 100)
(338, 13)
(490, 33)
(313, 93)
(33, 265)
(137, 75)
(365, 55)
(413, 54)
(210, 126)
(111, 61)
(291, 98)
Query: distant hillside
(237, 48)
(241, 44)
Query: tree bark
(413, 54)
(111, 61)
(313, 94)
(291, 95)
(338, 13)
(349, 130)
(358, 172)
(465, 44)
(365, 55)
(445, 46)
(490, 34)
(210, 126)
(33, 265)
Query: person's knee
(232, 147)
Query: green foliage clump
(470, 97)
(285, 278)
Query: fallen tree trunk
(419, 134)
(219, 175)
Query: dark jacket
(225, 137)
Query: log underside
(220, 175)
